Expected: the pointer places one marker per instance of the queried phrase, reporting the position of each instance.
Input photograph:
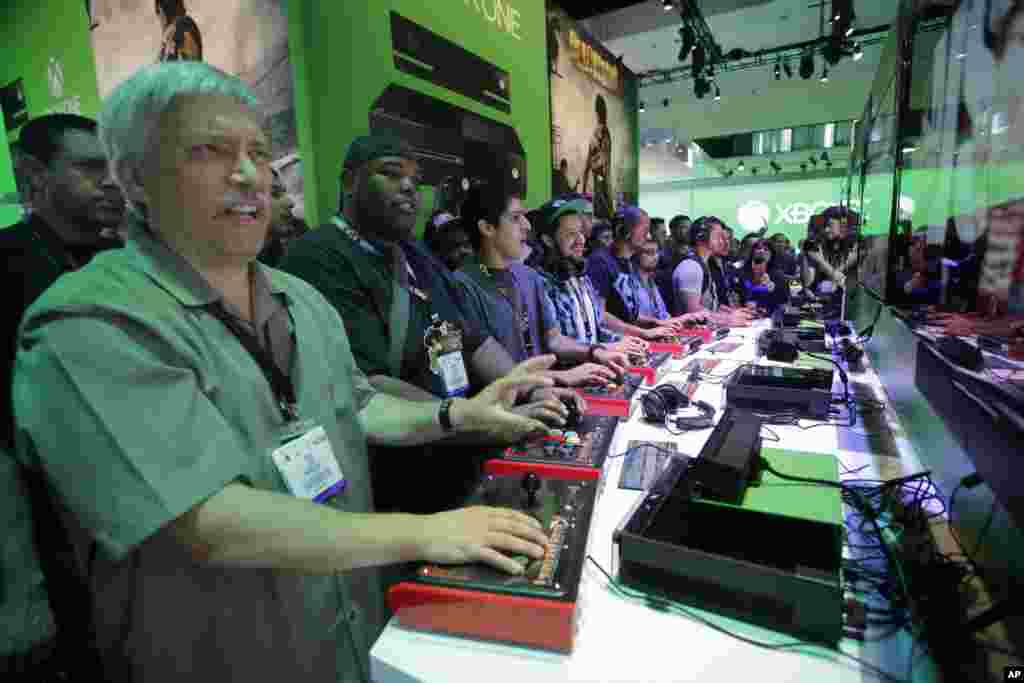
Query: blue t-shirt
(767, 296)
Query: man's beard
(380, 225)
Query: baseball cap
(366, 148)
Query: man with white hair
(201, 422)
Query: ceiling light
(740, 167)
(858, 52)
(665, 102)
(718, 93)
(824, 73)
(788, 69)
(778, 71)
(824, 156)
(668, 5)
(643, 108)
(807, 65)
(908, 150)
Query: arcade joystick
(572, 418)
(531, 484)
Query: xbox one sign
(754, 215)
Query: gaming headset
(700, 229)
(624, 221)
(661, 401)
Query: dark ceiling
(585, 10)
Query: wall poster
(248, 38)
(593, 117)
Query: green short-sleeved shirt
(138, 404)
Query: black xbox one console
(771, 390)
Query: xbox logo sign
(753, 216)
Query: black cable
(842, 373)
(664, 603)
(866, 334)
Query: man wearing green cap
(410, 329)
(579, 332)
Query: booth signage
(502, 14)
(592, 61)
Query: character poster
(248, 38)
(592, 122)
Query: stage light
(778, 72)
(668, 5)
(687, 36)
(642, 108)
(698, 61)
(858, 52)
(807, 65)
(824, 73)
(740, 167)
(718, 93)
(788, 69)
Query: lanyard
(280, 383)
(576, 287)
(69, 262)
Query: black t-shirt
(357, 279)
(33, 257)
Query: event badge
(306, 462)
(443, 341)
(827, 287)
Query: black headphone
(700, 229)
(662, 400)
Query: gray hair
(131, 113)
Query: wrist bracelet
(444, 415)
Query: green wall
(32, 33)
(10, 209)
(341, 54)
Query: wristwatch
(444, 415)
(594, 348)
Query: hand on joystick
(531, 484)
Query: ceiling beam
(750, 60)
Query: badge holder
(443, 342)
(307, 463)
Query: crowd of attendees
(224, 433)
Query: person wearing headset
(760, 282)
(698, 282)
(607, 267)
